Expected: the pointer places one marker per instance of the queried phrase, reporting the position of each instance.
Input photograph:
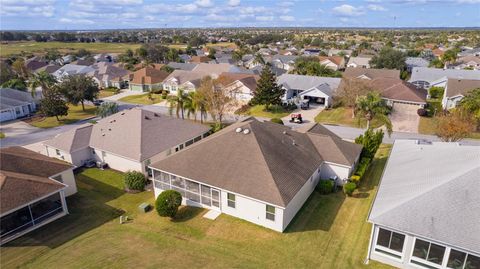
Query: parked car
(90, 163)
(305, 104)
(98, 102)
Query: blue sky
(113, 14)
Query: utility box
(144, 207)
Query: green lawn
(259, 111)
(2, 135)
(75, 113)
(63, 47)
(342, 116)
(104, 93)
(142, 99)
(329, 232)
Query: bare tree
(218, 99)
(350, 90)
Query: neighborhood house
(319, 90)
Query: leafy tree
(389, 58)
(215, 98)
(78, 89)
(135, 180)
(53, 105)
(167, 203)
(371, 141)
(372, 106)
(454, 127)
(6, 72)
(177, 102)
(15, 83)
(106, 109)
(258, 59)
(44, 80)
(450, 56)
(196, 41)
(191, 105)
(190, 51)
(268, 91)
(351, 90)
(211, 53)
(470, 105)
(20, 69)
(83, 53)
(310, 66)
(52, 55)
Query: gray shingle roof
(432, 74)
(270, 164)
(11, 98)
(416, 62)
(460, 86)
(300, 82)
(433, 191)
(72, 140)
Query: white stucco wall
(69, 179)
(330, 170)
(117, 162)
(64, 156)
(80, 156)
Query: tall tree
(470, 105)
(20, 69)
(78, 89)
(389, 58)
(15, 83)
(217, 99)
(372, 106)
(191, 105)
(44, 80)
(177, 102)
(106, 109)
(454, 127)
(268, 92)
(350, 91)
(53, 105)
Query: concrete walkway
(212, 214)
(17, 127)
(308, 115)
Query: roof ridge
(28, 177)
(427, 191)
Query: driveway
(122, 94)
(308, 116)
(16, 128)
(404, 118)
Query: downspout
(367, 259)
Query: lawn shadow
(87, 211)
(186, 213)
(318, 213)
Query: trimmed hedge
(362, 166)
(135, 180)
(349, 187)
(277, 120)
(325, 186)
(167, 203)
(355, 179)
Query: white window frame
(419, 260)
(234, 201)
(267, 213)
(382, 248)
(456, 249)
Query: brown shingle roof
(461, 86)
(72, 140)
(397, 89)
(271, 163)
(249, 80)
(24, 176)
(200, 59)
(148, 75)
(334, 59)
(355, 72)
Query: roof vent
(246, 131)
(423, 142)
(103, 134)
(156, 115)
(123, 113)
(284, 132)
(238, 130)
(147, 118)
(293, 143)
(109, 129)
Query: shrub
(243, 109)
(135, 180)
(436, 92)
(277, 120)
(370, 141)
(164, 94)
(157, 91)
(422, 112)
(167, 203)
(325, 186)
(355, 179)
(362, 166)
(349, 187)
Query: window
(390, 241)
(429, 252)
(57, 151)
(270, 212)
(231, 200)
(188, 143)
(461, 260)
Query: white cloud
(204, 3)
(172, 9)
(376, 8)
(468, 1)
(233, 3)
(347, 10)
(79, 21)
(28, 8)
(287, 18)
(264, 18)
(286, 4)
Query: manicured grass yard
(64, 47)
(329, 232)
(75, 113)
(342, 116)
(104, 93)
(2, 135)
(142, 99)
(259, 111)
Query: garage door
(5, 115)
(404, 118)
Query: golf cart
(296, 118)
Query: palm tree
(178, 102)
(191, 105)
(258, 59)
(43, 80)
(372, 106)
(201, 104)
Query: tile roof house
(128, 140)
(257, 171)
(182, 66)
(456, 89)
(360, 61)
(426, 77)
(426, 212)
(15, 104)
(147, 79)
(182, 79)
(32, 191)
(314, 88)
(333, 62)
(200, 59)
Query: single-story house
(456, 89)
(285, 62)
(109, 75)
(412, 62)
(240, 86)
(15, 104)
(33, 188)
(395, 90)
(260, 172)
(147, 79)
(50, 69)
(128, 140)
(200, 59)
(181, 79)
(182, 66)
(426, 212)
(71, 69)
(333, 62)
(370, 73)
(333, 52)
(426, 77)
(214, 70)
(317, 89)
(35, 63)
(468, 62)
(359, 61)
